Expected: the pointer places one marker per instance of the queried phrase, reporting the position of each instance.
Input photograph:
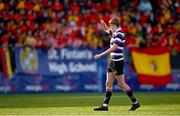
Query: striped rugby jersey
(117, 38)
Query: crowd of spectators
(60, 23)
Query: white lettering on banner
(72, 67)
(34, 88)
(147, 87)
(91, 87)
(75, 54)
(58, 68)
(5, 88)
(52, 54)
(63, 87)
(79, 67)
(173, 86)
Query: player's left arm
(113, 48)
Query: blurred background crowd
(60, 23)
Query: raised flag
(152, 65)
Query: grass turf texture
(157, 103)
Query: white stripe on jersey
(117, 59)
(119, 40)
(115, 33)
(121, 48)
(116, 54)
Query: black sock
(130, 95)
(107, 96)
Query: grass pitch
(152, 104)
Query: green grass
(157, 103)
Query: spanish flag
(152, 65)
(6, 62)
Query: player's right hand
(97, 56)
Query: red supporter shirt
(31, 16)
(28, 6)
(106, 18)
(44, 3)
(130, 41)
(6, 7)
(57, 6)
(4, 39)
(8, 16)
(31, 26)
(18, 17)
(115, 3)
(164, 41)
(93, 17)
(74, 8)
(23, 28)
(98, 8)
(176, 44)
(143, 18)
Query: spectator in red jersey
(176, 43)
(164, 40)
(57, 6)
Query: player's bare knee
(108, 84)
(121, 84)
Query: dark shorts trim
(116, 67)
